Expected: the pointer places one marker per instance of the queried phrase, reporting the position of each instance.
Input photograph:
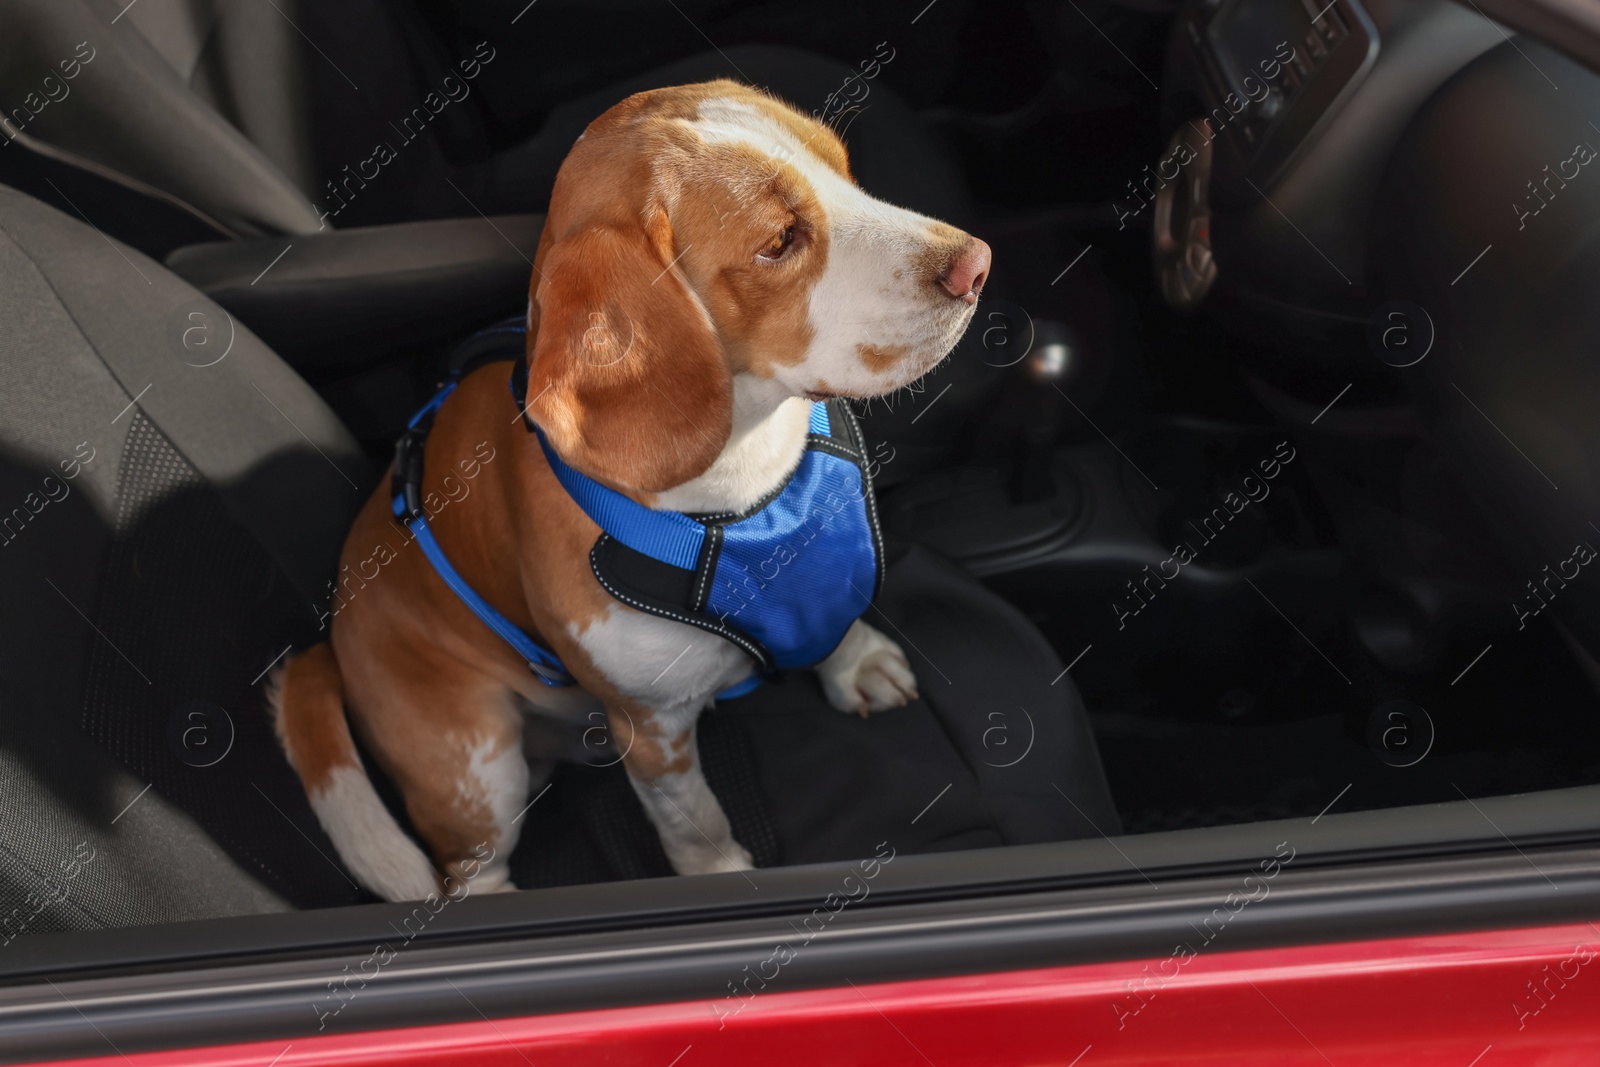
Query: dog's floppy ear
(626, 377)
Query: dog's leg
(468, 813)
(867, 672)
(663, 764)
(451, 740)
(655, 676)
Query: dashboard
(1278, 67)
(1304, 102)
(1371, 153)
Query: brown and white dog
(707, 268)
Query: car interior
(1243, 498)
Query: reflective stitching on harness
(406, 490)
(802, 601)
(828, 444)
(795, 578)
(756, 653)
(713, 544)
(859, 454)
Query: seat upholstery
(166, 529)
(245, 61)
(130, 113)
(992, 753)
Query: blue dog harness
(783, 580)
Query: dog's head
(708, 231)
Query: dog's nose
(968, 270)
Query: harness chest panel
(784, 580)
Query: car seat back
(197, 102)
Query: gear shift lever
(1051, 364)
(1053, 356)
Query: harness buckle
(406, 484)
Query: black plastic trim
(1570, 26)
(1554, 818)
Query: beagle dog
(709, 278)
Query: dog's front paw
(867, 672)
(707, 859)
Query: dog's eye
(779, 245)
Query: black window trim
(1527, 859)
(253, 1000)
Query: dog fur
(708, 265)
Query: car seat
(167, 530)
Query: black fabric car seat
(196, 103)
(206, 102)
(166, 524)
(167, 529)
